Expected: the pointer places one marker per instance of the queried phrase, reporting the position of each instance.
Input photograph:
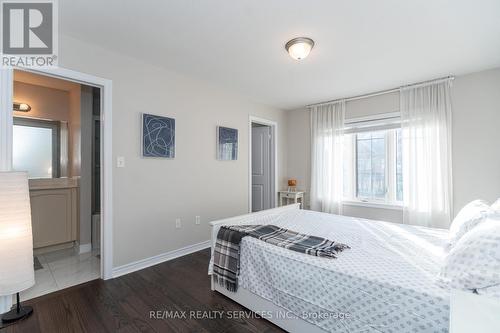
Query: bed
(386, 282)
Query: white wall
(299, 150)
(150, 193)
(476, 138)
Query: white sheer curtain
(426, 132)
(327, 130)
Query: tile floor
(62, 269)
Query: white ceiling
(361, 45)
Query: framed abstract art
(227, 143)
(158, 136)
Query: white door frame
(274, 159)
(6, 123)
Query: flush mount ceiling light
(299, 48)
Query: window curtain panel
(426, 113)
(327, 130)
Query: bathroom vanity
(54, 212)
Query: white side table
(287, 197)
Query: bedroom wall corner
(299, 150)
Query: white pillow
(474, 262)
(496, 205)
(468, 217)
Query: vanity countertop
(53, 183)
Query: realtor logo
(29, 33)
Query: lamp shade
(16, 240)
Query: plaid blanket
(227, 248)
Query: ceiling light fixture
(299, 48)
(22, 107)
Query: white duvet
(386, 282)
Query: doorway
(263, 164)
(54, 142)
(99, 151)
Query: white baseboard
(144, 263)
(84, 248)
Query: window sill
(372, 204)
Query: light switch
(197, 220)
(120, 162)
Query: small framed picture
(158, 136)
(227, 143)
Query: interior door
(261, 168)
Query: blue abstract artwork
(158, 136)
(227, 143)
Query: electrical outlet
(178, 223)
(120, 162)
(197, 220)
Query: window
(370, 165)
(373, 165)
(36, 147)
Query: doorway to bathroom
(54, 139)
(55, 130)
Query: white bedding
(386, 282)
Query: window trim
(56, 138)
(372, 204)
(378, 122)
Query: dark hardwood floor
(124, 304)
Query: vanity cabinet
(54, 213)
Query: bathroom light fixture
(22, 107)
(299, 48)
